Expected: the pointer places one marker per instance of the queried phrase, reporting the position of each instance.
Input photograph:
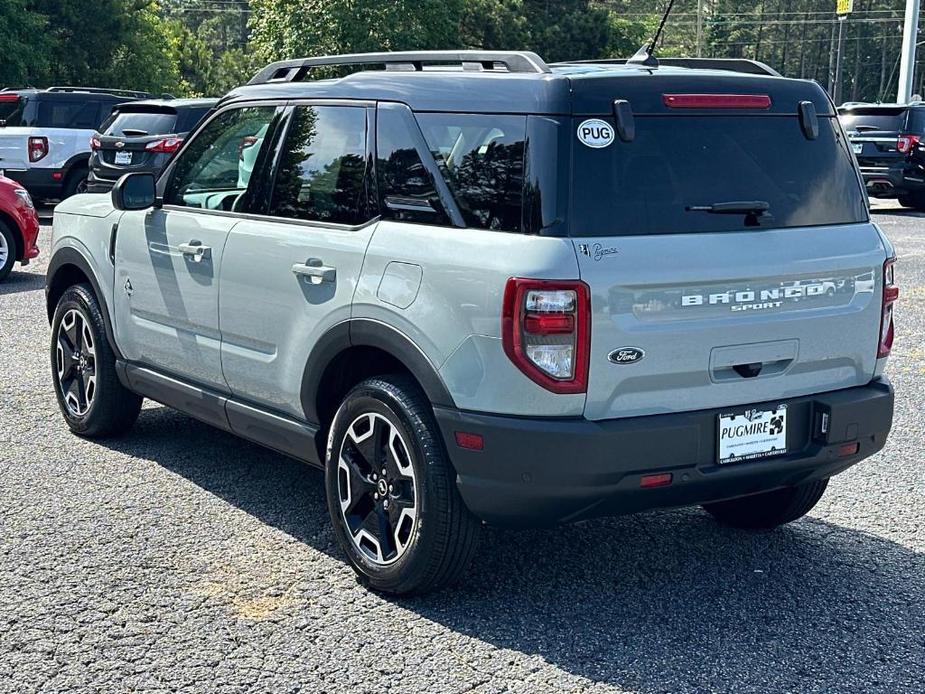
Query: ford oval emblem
(626, 355)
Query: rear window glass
(648, 186)
(11, 112)
(873, 120)
(140, 123)
(482, 160)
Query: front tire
(7, 251)
(83, 367)
(392, 493)
(769, 509)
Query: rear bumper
(41, 183)
(893, 181)
(99, 184)
(535, 472)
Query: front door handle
(315, 271)
(195, 250)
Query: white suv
(45, 135)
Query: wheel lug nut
(391, 488)
(383, 472)
(375, 477)
(385, 504)
(376, 497)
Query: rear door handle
(315, 271)
(195, 250)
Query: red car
(19, 226)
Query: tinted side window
(215, 169)
(83, 115)
(404, 182)
(482, 159)
(321, 174)
(187, 119)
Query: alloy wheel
(75, 358)
(4, 250)
(377, 488)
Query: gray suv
(477, 288)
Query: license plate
(858, 147)
(752, 434)
(123, 158)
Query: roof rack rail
(752, 67)
(101, 90)
(296, 70)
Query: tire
(104, 408)
(418, 535)
(75, 183)
(7, 251)
(914, 200)
(770, 509)
(905, 201)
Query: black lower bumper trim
(534, 472)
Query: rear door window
(482, 159)
(68, 113)
(321, 174)
(676, 166)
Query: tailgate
(708, 310)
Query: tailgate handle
(748, 370)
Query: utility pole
(840, 52)
(907, 60)
(699, 28)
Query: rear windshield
(11, 111)
(874, 119)
(137, 124)
(675, 163)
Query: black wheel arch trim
(366, 332)
(75, 162)
(69, 256)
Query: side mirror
(134, 191)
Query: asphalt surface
(179, 558)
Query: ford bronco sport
(474, 287)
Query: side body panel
(453, 314)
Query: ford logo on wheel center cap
(626, 355)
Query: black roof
(478, 86)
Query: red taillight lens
(168, 145)
(906, 143)
(890, 295)
(38, 148)
(716, 100)
(546, 331)
(95, 143)
(9, 97)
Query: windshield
(686, 174)
(135, 124)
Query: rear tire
(7, 251)
(75, 183)
(916, 201)
(93, 401)
(408, 530)
(770, 509)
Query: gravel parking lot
(180, 558)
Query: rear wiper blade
(732, 207)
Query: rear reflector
(716, 100)
(473, 442)
(661, 480)
(847, 449)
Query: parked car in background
(887, 140)
(141, 136)
(45, 135)
(19, 226)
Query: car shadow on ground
(17, 282)
(663, 601)
(895, 212)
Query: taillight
(95, 143)
(716, 100)
(890, 295)
(906, 143)
(546, 331)
(38, 148)
(168, 145)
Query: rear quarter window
(649, 185)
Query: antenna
(646, 54)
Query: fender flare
(365, 332)
(69, 256)
(81, 159)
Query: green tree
(24, 44)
